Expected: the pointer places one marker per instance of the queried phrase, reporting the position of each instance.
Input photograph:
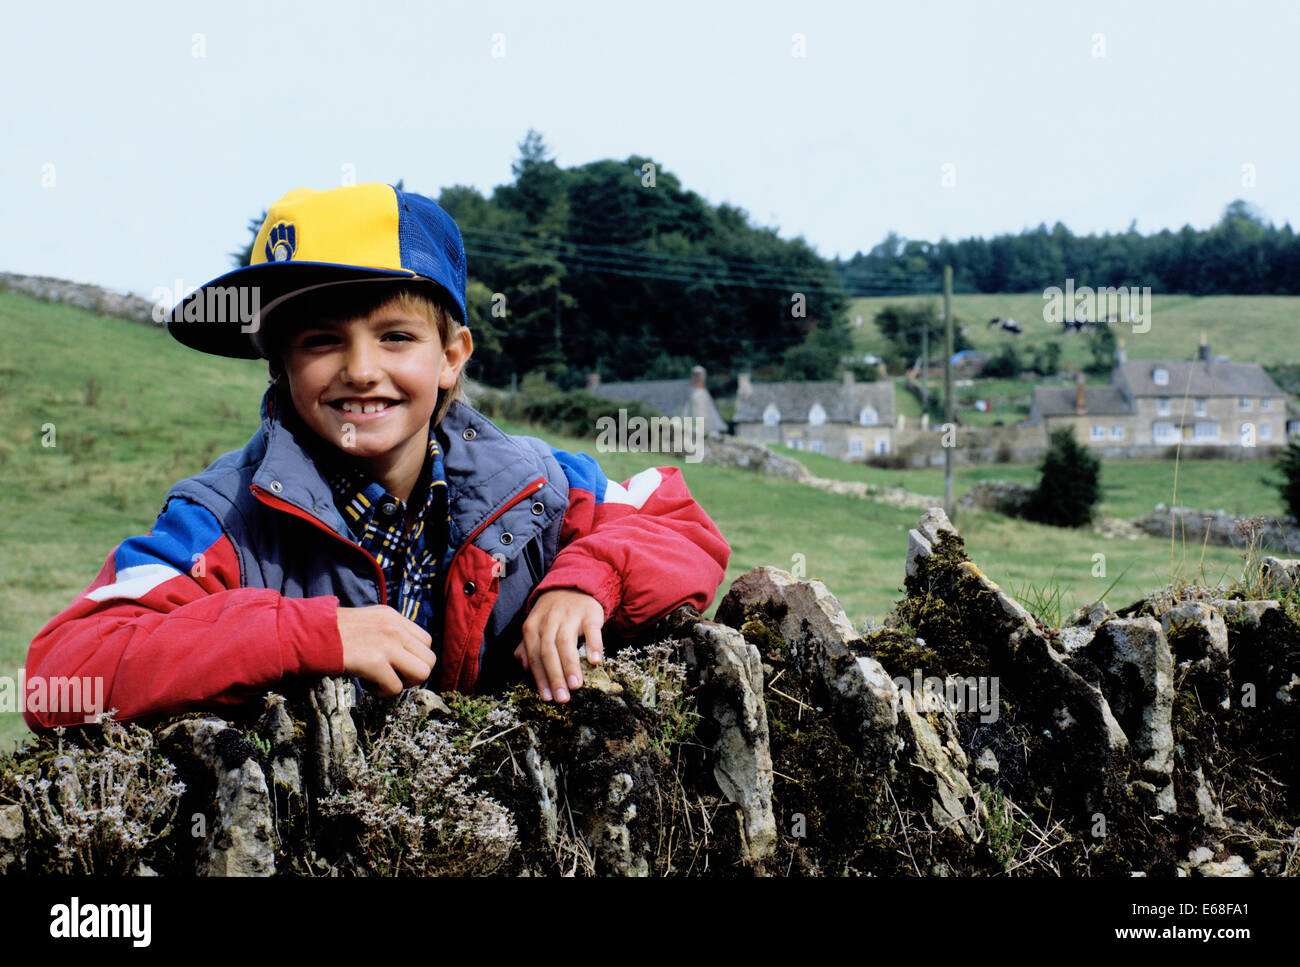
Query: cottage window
(1098, 431)
(1245, 402)
(1201, 406)
(1164, 432)
(882, 445)
(816, 415)
(1162, 406)
(868, 416)
(771, 415)
(1205, 430)
(794, 443)
(1266, 431)
(817, 446)
(1160, 376)
(855, 447)
(1265, 403)
(1116, 432)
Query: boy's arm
(640, 548)
(167, 627)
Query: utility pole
(925, 368)
(947, 390)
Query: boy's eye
(312, 340)
(398, 336)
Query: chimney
(697, 377)
(1203, 352)
(1080, 396)
(1121, 357)
(593, 381)
(848, 379)
(743, 386)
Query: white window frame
(1162, 406)
(1244, 402)
(1205, 430)
(868, 416)
(771, 415)
(1170, 434)
(882, 446)
(855, 447)
(817, 446)
(1266, 431)
(794, 443)
(1265, 403)
(1160, 376)
(1201, 406)
(1098, 431)
(816, 415)
(1116, 431)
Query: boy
(376, 524)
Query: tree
(1070, 485)
(1101, 344)
(903, 326)
(1288, 465)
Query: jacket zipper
(289, 508)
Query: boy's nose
(359, 365)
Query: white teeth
(370, 408)
(351, 407)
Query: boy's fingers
(595, 645)
(567, 645)
(551, 663)
(533, 662)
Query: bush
(1005, 365)
(573, 413)
(1288, 465)
(1070, 485)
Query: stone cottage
(1205, 401)
(844, 419)
(670, 397)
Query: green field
(1246, 328)
(134, 411)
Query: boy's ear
(456, 354)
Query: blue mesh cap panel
(431, 245)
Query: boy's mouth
(361, 407)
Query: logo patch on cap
(281, 242)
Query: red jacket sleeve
(166, 627)
(640, 548)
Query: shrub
(1005, 365)
(1288, 465)
(1070, 485)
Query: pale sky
(139, 138)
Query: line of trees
(614, 267)
(1240, 255)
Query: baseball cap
(313, 239)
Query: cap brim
(223, 316)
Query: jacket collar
(484, 467)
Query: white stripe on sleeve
(134, 582)
(638, 491)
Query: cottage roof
(841, 401)
(1218, 378)
(671, 397)
(1061, 400)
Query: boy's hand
(381, 646)
(550, 646)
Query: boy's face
(390, 363)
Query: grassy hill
(1247, 328)
(133, 411)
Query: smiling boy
(376, 524)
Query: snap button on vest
(469, 587)
(388, 508)
(507, 537)
(276, 487)
(538, 508)
(468, 433)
